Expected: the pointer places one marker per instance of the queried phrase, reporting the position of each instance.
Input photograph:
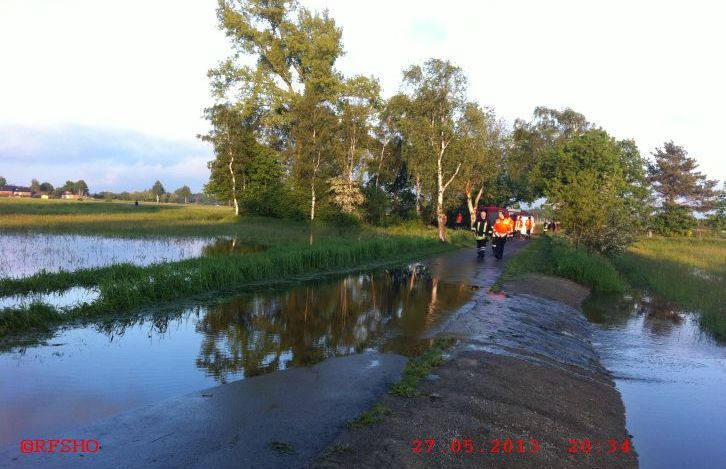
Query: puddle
(71, 297)
(26, 254)
(671, 375)
(83, 374)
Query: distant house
(68, 195)
(15, 191)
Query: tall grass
(125, 287)
(555, 256)
(689, 272)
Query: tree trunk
(472, 204)
(380, 162)
(312, 181)
(440, 211)
(234, 186)
(157, 198)
(441, 189)
(312, 201)
(231, 171)
(418, 196)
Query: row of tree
(294, 137)
(156, 192)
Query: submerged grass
(555, 256)
(126, 287)
(689, 272)
(418, 368)
(295, 248)
(370, 417)
(686, 271)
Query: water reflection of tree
(660, 316)
(227, 246)
(261, 333)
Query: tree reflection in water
(259, 333)
(227, 246)
(660, 316)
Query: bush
(556, 256)
(677, 221)
(275, 202)
(586, 268)
(376, 206)
(341, 219)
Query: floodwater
(25, 254)
(82, 374)
(63, 299)
(672, 377)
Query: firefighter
(459, 219)
(480, 230)
(529, 224)
(500, 231)
(518, 227)
(510, 225)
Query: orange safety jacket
(529, 223)
(501, 227)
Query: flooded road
(672, 378)
(25, 254)
(83, 374)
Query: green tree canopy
(595, 187)
(676, 181)
(157, 190)
(183, 194)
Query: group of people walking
(498, 231)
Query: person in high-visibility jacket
(500, 230)
(529, 224)
(480, 233)
(510, 225)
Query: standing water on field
(22, 255)
(672, 378)
(84, 373)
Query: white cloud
(649, 70)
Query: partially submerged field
(689, 272)
(292, 249)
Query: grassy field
(148, 219)
(688, 272)
(554, 256)
(293, 249)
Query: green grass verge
(688, 272)
(370, 417)
(126, 287)
(418, 368)
(555, 256)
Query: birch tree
(481, 147)
(438, 96)
(293, 76)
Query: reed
(555, 256)
(689, 272)
(125, 287)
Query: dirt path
(523, 374)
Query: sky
(112, 91)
